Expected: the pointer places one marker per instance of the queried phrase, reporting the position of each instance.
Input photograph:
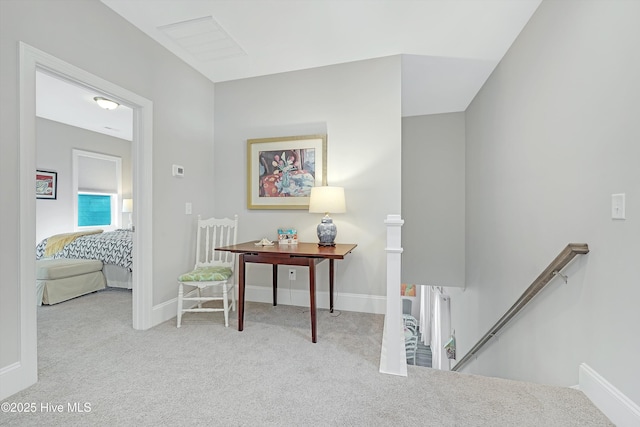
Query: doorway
(30, 60)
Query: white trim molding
(300, 298)
(142, 158)
(616, 406)
(165, 311)
(16, 377)
(23, 372)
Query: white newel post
(393, 358)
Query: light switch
(187, 208)
(617, 206)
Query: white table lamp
(327, 200)
(127, 207)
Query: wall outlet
(177, 170)
(292, 274)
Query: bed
(113, 248)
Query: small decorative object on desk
(287, 236)
(264, 242)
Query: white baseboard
(14, 378)
(341, 301)
(615, 405)
(162, 312)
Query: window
(95, 209)
(97, 182)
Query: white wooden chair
(410, 323)
(411, 336)
(411, 347)
(213, 269)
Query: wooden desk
(304, 254)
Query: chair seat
(207, 274)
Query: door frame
(31, 59)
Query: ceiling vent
(203, 38)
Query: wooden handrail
(545, 277)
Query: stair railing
(554, 269)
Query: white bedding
(113, 248)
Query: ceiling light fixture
(105, 103)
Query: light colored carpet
(268, 375)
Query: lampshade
(327, 200)
(105, 103)
(127, 205)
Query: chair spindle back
(213, 233)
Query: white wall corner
(616, 406)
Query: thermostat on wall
(178, 171)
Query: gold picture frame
(281, 171)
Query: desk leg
(241, 293)
(312, 296)
(331, 273)
(275, 284)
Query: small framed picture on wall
(46, 184)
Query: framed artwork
(282, 171)
(46, 185)
(407, 290)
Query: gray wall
(358, 106)
(91, 36)
(54, 144)
(552, 134)
(549, 138)
(433, 234)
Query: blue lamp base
(327, 232)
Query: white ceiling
(453, 45)
(449, 47)
(66, 102)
